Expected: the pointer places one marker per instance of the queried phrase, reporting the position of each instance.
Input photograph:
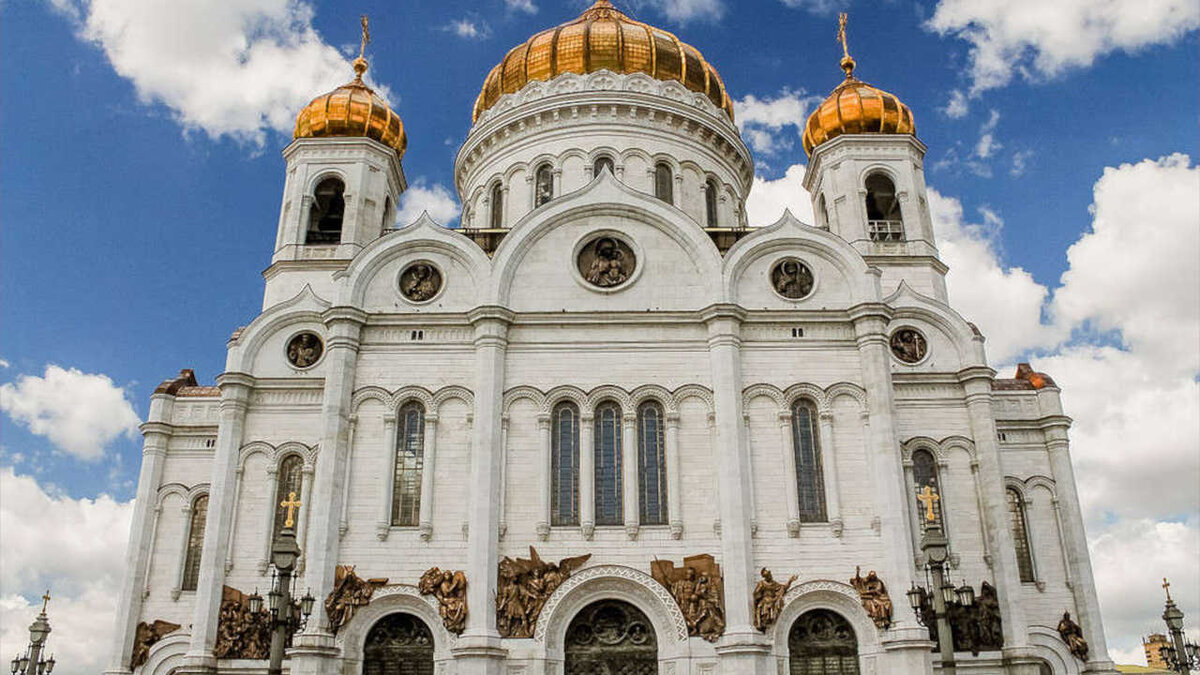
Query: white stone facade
(697, 327)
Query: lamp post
(287, 615)
(32, 663)
(1181, 656)
(936, 548)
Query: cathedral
(607, 425)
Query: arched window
(925, 474)
(325, 216)
(652, 465)
(195, 544)
(497, 200)
(664, 182)
(884, 222)
(810, 484)
(824, 211)
(544, 185)
(603, 162)
(386, 223)
(291, 479)
(1020, 534)
(609, 502)
(564, 465)
(710, 203)
(410, 461)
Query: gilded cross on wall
(291, 504)
(928, 499)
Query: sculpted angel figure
(768, 599)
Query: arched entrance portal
(611, 637)
(398, 644)
(822, 642)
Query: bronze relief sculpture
(1072, 634)
(241, 634)
(607, 262)
(450, 589)
(909, 345)
(875, 598)
(349, 593)
(975, 628)
(420, 281)
(523, 587)
(304, 349)
(792, 279)
(146, 636)
(768, 599)
(699, 591)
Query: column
(344, 525)
(235, 398)
(742, 649)
(156, 432)
(478, 651)
(304, 520)
(153, 541)
(503, 528)
(428, 467)
(383, 522)
(313, 651)
(268, 517)
(629, 473)
(674, 501)
(984, 530)
(750, 469)
(829, 473)
(237, 497)
(544, 450)
(788, 457)
(177, 587)
(587, 474)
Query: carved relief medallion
(909, 345)
(450, 589)
(421, 281)
(792, 279)
(606, 262)
(304, 349)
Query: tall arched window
(497, 204)
(824, 211)
(564, 465)
(543, 185)
(884, 222)
(291, 479)
(664, 182)
(325, 216)
(386, 222)
(652, 465)
(810, 483)
(410, 461)
(195, 544)
(603, 162)
(925, 474)
(710, 203)
(1020, 534)
(609, 502)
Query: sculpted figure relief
(450, 589)
(908, 345)
(1072, 634)
(523, 587)
(304, 350)
(768, 599)
(349, 593)
(698, 590)
(792, 279)
(974, 629)
(420, 282)
(607, 262)
(875, 598)
(241, 634)
(144, 638)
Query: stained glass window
(609, 502)
(925, 474)
(195, 544)
(410, 463)
(810, 484)
(1020, 534)
(652, 465)
(291, 479)
(564, 465)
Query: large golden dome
(352, 110)
(603, 38)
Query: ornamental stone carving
(523, 587)
(450, 589)
(792, 279)
(349, 593)
(1072, 634)
(421, 281)
(909, 345)
(241, 634)
(304, 349)
(146, 636)
(614, 580)
(698, 589)
(606, 262)
(875, 598)
(768, 599)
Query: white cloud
(683, 11)
(1039, 39)
(76, 548)
(468, 28)
(987, 144)
(769, 198)
(81, 413)
(420, 198)
(958, 106)
(4, 364)
(1020, 162)
(226, 68)
(817, 6)
(526, 6)
(774, 124)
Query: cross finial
(928, 499)
(46, 599)
(360, 64)
(291, 504)
(1167, 588)
(847, 62)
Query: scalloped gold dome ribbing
(352, 110)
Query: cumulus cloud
(771, 125)
(1039, 39)
(987, 145)
(817, 6)
(75, 547)
(420, 198)
(1020, 162)
(232, 69)
(81, 413)
(958, 106)
(683, 11)
(468, 28)
(769, 198)
(526, 6)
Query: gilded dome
(352, 110)
(603, 38)
(856, 107)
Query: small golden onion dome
(603, 38)
(352, 110)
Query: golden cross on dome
(46, 599)
(928, 498)
(1167, 588)
(366, 35)
(847, 61)
(291, 504)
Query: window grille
(810, 485)
(652, 469)
(410, 464)
(564, 465)
(609, 502)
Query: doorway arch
(822, 642)
(611, 636)
(398, 644)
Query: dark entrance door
(611, 638)
(822, 642)
(398, 644)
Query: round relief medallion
(792, 279)
(304, 349)
(606, 262)
(420, 281)
(909, 345)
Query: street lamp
(31, 662)
(1180, 656)
(287, 615)
(936, 548)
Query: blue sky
(137, 221)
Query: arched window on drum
(496, 203)
(664, 182)
(543, 185)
